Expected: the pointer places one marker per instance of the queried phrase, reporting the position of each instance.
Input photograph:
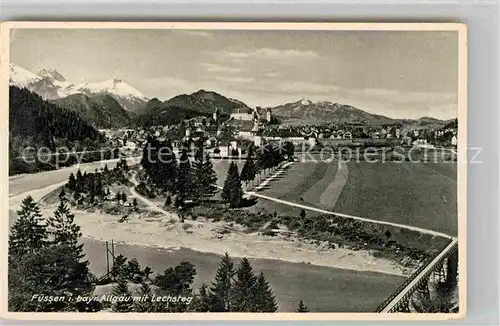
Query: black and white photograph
(224, 168)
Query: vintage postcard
(205, 171)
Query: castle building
(243, 114)
(248, 114)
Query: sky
(394, 73)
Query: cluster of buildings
(257, 125)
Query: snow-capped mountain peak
(115, 86)
(21, 77)
(305, 102)
(51, 73)
(51, 85)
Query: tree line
(259, 160)
(187, 180)
(196, 180)
(89, 187)
(232, 290)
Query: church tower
(215, 115)
(268, 115)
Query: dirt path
(151, 205)
(332, 193)
(413, 228)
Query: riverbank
(160, 231)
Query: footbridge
(442, 268)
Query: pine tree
(184, 177)
(121, 290)
(204, 177)
(302, 214)
(220, 292)
(124, 197)
(264, 299)
(98, 186)
(248, 171)
(62, 194)
(244, 176)
(71, 182)
(63, 229)
(53, 271)
(202, 303)
(243, 289)
(146, 305)
(28, 232)
(232, 192)
(79, 182)
(302, 307)
(159, 163)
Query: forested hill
(35, 122)
(101, 110)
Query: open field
(307, 183)
(417, 194)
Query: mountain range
(308, 112)
(51, 85)
(115, 103)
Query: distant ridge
(186, 106)
(307, 112)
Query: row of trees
(264, 159)
(194, 180)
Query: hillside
(307, 112)
(186, 106)
(100, 110)
(205, 102)
(164, 113)
(35, 122)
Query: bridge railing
(408, 281)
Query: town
(258, 126)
